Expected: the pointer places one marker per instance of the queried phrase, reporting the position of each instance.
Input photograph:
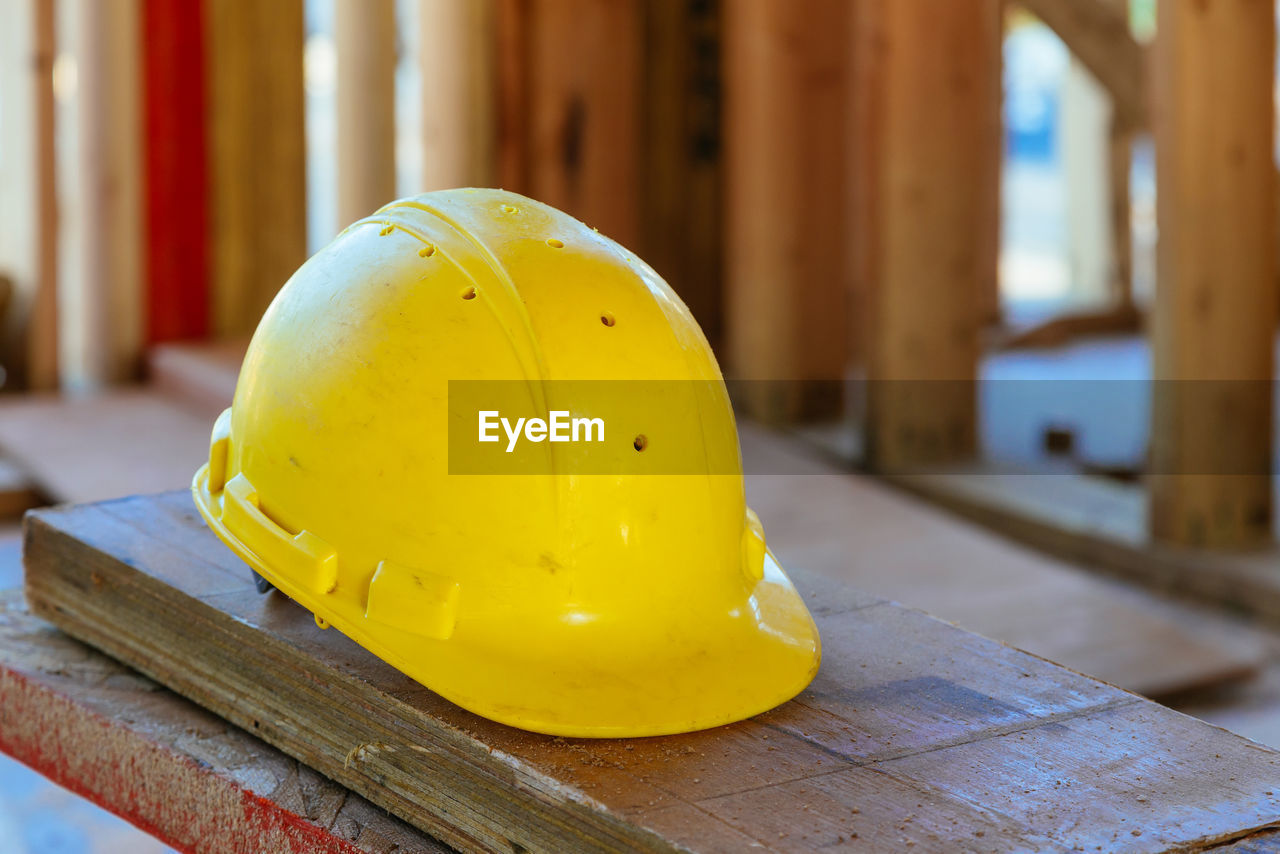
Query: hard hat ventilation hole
(640, 443)
(469, 293)
(607, 319)
(555, 243)
(427, 251)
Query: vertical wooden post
(176, 167)
(1214, 325)
(108, 199)
(42, 325)
(786, 204)
(28, 199)
(257, 155)
(1120, 164)
(571, 110)
(927, 188)
(365, 34)
(989, 308)
(680, 192)
(456, 60)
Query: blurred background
(1016, 259)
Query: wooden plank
(927, 257)
(1097, 32)
(570, 90)
(913, 733)
(176, 169)
(1096, 626)
(257, 155)
(107, 283)
(364, 32)
(1214, 318)
(199, 376)
(459, 99)
(786, 212)
(173, 769)
(87, 449)
(680, 192)
(1103, 525)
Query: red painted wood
(187, 804)
(176, 170)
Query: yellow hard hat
(637, 598)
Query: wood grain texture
(914, 733)
(927, 254)
(1213, 327)
(364, 34)
(570, 81)
(1097, 33)
(786, 84)
(168, 766)
(257, 155)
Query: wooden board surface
(102, 447)
(891, 545)
(1103, 524)
(166, 765)
(915, 733)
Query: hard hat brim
(735, 662)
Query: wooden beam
(99, 729)
(926, 182)
(1119, 169)
(682, 181)
(456, 60)
(570, 91)
(365, 34)
(176, 171)
(1097, 32)
(990, 308)
(257, 155)
(879, 752)
(42, 318)
(1214, 318)
(786, 81)
(28, 242)
(108, 195)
